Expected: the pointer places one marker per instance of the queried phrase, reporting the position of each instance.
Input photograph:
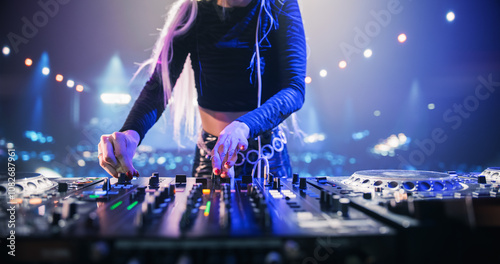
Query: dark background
(96, 43)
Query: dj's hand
(116, 152)
(232, 139)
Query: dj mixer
(372, 216)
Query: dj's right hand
(116, 152)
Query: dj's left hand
(232, 139)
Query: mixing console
(378, 216)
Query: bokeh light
(402, 38)
(45, 71)
(368, 53)
(323, 73)
(59, 78)
(70, 83)
(308, 79)
(79, 88)
(342, 64)
(28, 62)
(450, 16)
(6, 50)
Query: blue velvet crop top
(221, 47)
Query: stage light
(376, 113)
(70, 83)
(116, 98)
(323, 73)
(6, 50)
(431, 106)
(79, 88)
(45, 71)
(59, 78)
(308, 80)
(342, 64)
(402, 38)
(28, 62)
(450, 16)
(368, 53)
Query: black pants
(273, 147)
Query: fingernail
(224, 174)
(226, 165)
(216, 171)
(242, 147)
(129, 174)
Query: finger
(108, 168)
(229, 173)
(107, 151)
(243, 145)
(120, 146)
(216, 161)
(225, 145)
(230, 162)
(232, 152)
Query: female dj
(247, 59)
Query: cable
(259, 92)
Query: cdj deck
(373, 216)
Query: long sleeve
(291, 45)
(150, 104)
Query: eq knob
(481, 179)
(171, 190)
(270, 178)
(123, 178)
(335, 202)
(73, 208)
(56, 217)
(154, 180)
(295, 178)
(106, 186)
(344, 206)
(62, 187)
(277, 183)
(303, 183)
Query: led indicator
(113, 207)
(207, 210)
(206, 191)
(93, 196)
(132, 205)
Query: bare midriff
(213, 122)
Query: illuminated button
(16, 201)
(93, 196)
(100, 192)
(277, 196)
(35, 201)
(206, 191)
(304, 215)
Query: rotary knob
(303, 183)
(295, 178)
